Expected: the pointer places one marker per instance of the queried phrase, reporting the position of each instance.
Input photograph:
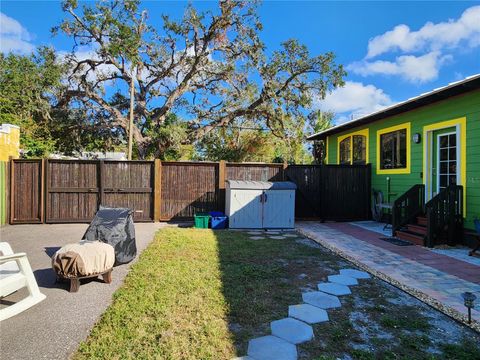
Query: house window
(359, 149)
(345, 151)
(353, 148)
(393, 150)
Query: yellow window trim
(363, 132)
(462, 124)
(409, 152)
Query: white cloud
(353, 100)
(14, 37)
(464, 31)
(412, 68)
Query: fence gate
(26, 191)
(72, 190)
(76, 188)
(128, 184)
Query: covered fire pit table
(82, 260)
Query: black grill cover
(114, 226)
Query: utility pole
(130, 125)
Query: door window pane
(443, 154)
(452, 140)
(452, 153)
(443, 167)
(452, 180)
(443, 181)
(443, 141)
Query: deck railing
(445, 216)
(408, 206)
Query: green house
(425, 159)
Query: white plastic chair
(16, 273)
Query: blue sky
(392, 50)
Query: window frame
(408, 149)
(363, 132)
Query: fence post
(101, 168)
(157, 183)
(43, 164)
(222, 172)
(12, 189)
(284, 169)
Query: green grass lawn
(199, 294)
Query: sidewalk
(434, 278)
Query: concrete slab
(357, 274)
(54, 328)
(343, 279)
(255, 232)
(271, 348)
(334, 288)
(321, 300)
(307, 313)
(291, 235)
(292, 330)
(257, 238)
(279, 237)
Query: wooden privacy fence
(56, 191)
(331, 192)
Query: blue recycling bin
(218, 220)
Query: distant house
(432, 139)
(9, 141)
(92, 155)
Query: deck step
(409, 236)
(422, 220)
(417, 229)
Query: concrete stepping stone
(291, 235)
(307, 313)
(321, 300)
(279, 237)
(334, 288)
(257, 238)
(357, 274)
(254, 233)
(292, 330)
(343, 279)
(271, 348)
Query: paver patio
(439, 277)
(54, 328)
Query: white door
(279, 209)
(246, 209)
(447, 173)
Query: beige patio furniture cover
(83, 259)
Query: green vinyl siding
(467, 106)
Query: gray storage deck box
(260, 204)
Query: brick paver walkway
(437, 276)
